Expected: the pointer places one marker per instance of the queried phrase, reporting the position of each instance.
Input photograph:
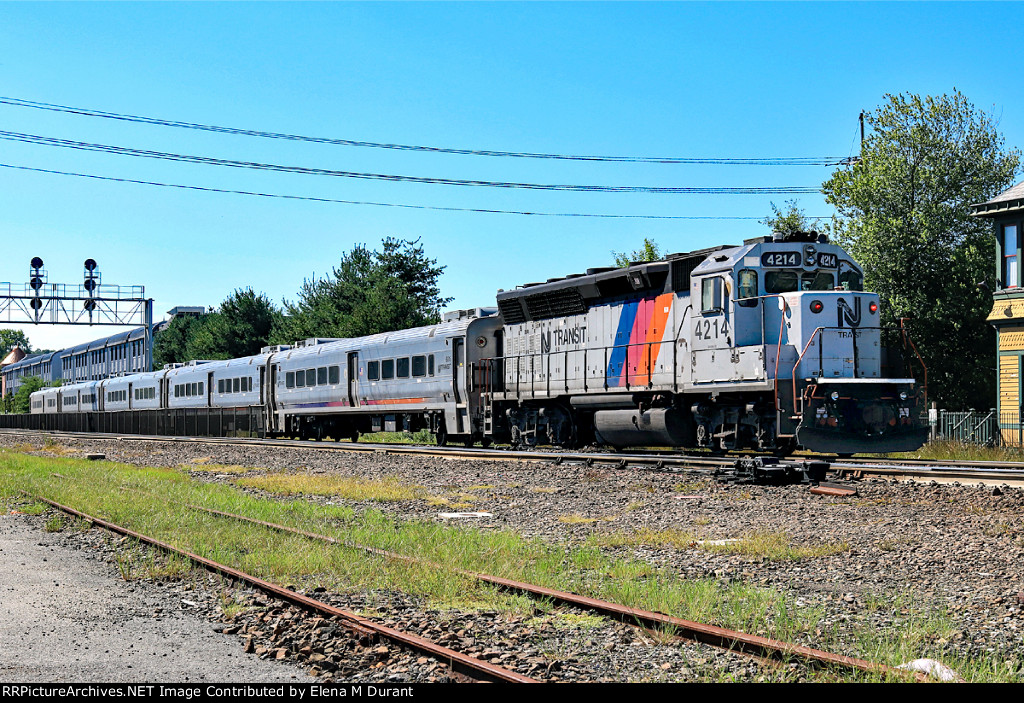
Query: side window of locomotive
(711, 294)
(849, 277)
(746, 290)
(321, 376)
(817, 280)
(403, 367)
(780, 282)
(419, 366)
(387, 368)
(373, 370)
(334, 375)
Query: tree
(20, 402)
(171, 344)
(240, 327)
(367, 293)
(13, 338)
(648, 252)
(791, 221)
(904, 216)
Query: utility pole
(862, 133)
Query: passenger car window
(403, 367)
(419, 366)
(289, 380)
(373, 370)
(334, 374)
(321, 376)
(310, 377)
(387, 369)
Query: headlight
(903, 395)
(835, 395)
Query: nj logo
(851, 316)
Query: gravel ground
(957, 548)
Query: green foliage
(171, 344)
(13, 338)
(648, 252)
(367, 293)
(240, 327)
(905, 217)
(20, 402)
(792, 220)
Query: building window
(1010, 275)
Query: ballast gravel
(951, 547)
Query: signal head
(37, 263)
(90, 264)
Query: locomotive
(771, 345)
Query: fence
(179, 422)
(986, 427)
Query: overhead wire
(377, 204)
(124, 117)
(304, 170)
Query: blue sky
(688, 79)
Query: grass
(644, 537)
(199, 465)
(775, 546)
(946, 450)
(348, 488)
(146, 499)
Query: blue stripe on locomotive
(617, 358)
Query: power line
(212, 161)
(378, 204)
(770, 161)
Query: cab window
(849, 277)
(746, 290)
(780, 281)
(711, 294)
(817, 280)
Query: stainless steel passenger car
(406, 380)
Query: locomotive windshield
(849, 277)
(788, 281)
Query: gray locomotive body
(768, 345)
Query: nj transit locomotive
(769, 345)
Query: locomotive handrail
(924, 367)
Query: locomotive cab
(789, 312)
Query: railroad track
(471, 668)
(997, 473)
(463, 665)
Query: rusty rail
(687, 629)
(460, 663)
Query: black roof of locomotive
(571, 295)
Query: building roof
(16, 354)
(1010, 200)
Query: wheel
(485, 442)
(354, 436)
(441, 436)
